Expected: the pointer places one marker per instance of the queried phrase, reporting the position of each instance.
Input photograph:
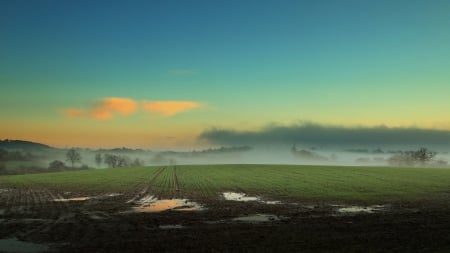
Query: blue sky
(249, 63)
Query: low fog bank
(36, 160)
(305, 155)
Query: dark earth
(109, 224)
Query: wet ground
(39, 220)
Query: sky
(166, 74)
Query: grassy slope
(276, 181)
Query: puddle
(177, 226)
(17, 246)
(151, 204)
(72, 199)
(3, 190)
(257, 218)
(109, 195)
(235, 196)
(360, 209)
(273, 202)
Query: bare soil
(108, 224)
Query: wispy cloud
(169, 108)
(315, 134)
(106, 109)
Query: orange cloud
(106, 109)
(169, 108)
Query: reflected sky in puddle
(72, 199)
(360, 209)
(154, 205)
(99, 197)
(235, 196)
(242, 197)
(256, 218)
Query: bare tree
(412, 158)
(73, 156)
(423, 155)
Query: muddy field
(43, 220)
(68, 222)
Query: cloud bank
(108, 108)
(315, 134)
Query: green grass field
(315, 183)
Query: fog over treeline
(306, 143)
(25, 160)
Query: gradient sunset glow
(157, 74)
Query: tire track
(176, 184)
(148, 188)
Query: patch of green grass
(315, 183)
(17, 164)
(109, 180)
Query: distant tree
(111, 160)
(412, 158)
(423, 155)
(56, 165)
(137, 163)
(98, 159)
(73, 156)
(115, 161)
(401, 159)
(123, 161)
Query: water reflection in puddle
(360, 209)
(72, 199)
(256, 218)
(234, 196)
(99, 197)
(151, 204)
(242, 197)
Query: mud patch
(97, 215)
(176, 226)
(17, 246)
(360, 209)
(258, 218)
(151, 204)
